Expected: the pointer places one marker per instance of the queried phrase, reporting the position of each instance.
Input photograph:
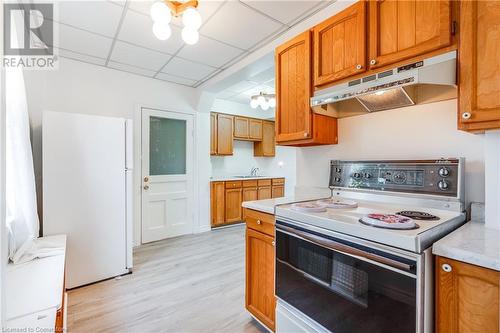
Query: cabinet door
(213, 134)
(255, 129)
(217, 203)
(241, 127)
(264, 193)
(278, 191)
(340, 45)
(224, 134)
(250, 194)
(293, 89)
(266, 147)
(479, 65)
(233, 205)
(407, 28)
(467, 298)
(259, 286)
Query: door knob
(446, 267)
(146, 179)
(146, 187)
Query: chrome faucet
(254, 171)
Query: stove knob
(337, 179)
(367, 175)
(443, 185)
(356, 175)
(338, 170)
(444, 172)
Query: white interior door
(167, 174)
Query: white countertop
(473, 243)
(232, 178)
(268, 205)
(36, 285)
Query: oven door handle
(344, 249)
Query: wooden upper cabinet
(213, 134)
(266, 147)
(404, 29)
(479, 65)
(224, 134)
(255, 129)
(293, 89)
(241, 127)
(340, 45)
(467, 297)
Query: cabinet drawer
(259, 221)
(250, 183)
(264, 182)
(233, 184)
(278, 181)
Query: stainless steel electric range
(360, 261)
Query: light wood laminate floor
(192, 283)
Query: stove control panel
(439, 177)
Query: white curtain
(22, 217)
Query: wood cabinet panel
(233, 184)
(340, 45)
(467, 298)
(266, 147)
(249, 183)
(259, 271)
(233, 205)
(402, 29)
(254, 129)
(250, 193)
(264, 193)
(241, 127)
(479, 65)
(293, 89)
(224, 134)
(278, 191)
(213, 134)
(259, 221)
(217, 206)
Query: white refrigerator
(87, 193)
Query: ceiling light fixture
(265, 101)
(162, 12)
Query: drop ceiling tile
(83, 42)
(205, 8)
(240, 99)
(187, 69)
(101, 17)
(265, 75)
(131, 69)
(137, 29)
(238, 25)
(175, 79)
(226, 94)
(81, 57)
(283, 11)
(242, 86)
(210, 52)
(138, 56)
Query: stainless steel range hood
(430, 80)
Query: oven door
(346, 286)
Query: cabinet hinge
(453, 27)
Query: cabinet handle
(146, 187)
(358, 66)
(146, 179)
(373, 62)
(446, 267)
(306, 135)
(273, 243)
(259, 222)
(466, 115)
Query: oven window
(342, 293)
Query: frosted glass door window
(167, 146)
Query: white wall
(83, 88)
(422, 131)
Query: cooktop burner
(416, 215)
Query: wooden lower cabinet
(260, 298)
(264, 193)
(250, 194)
(278, 191)
(217, 206)
(467, 298)
(233, 202)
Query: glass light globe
(191, 18)
(254, 103)
(261, 99)
(190, 36)
(160, 13)
(265, 105)
(272, 102)
(162, 31)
